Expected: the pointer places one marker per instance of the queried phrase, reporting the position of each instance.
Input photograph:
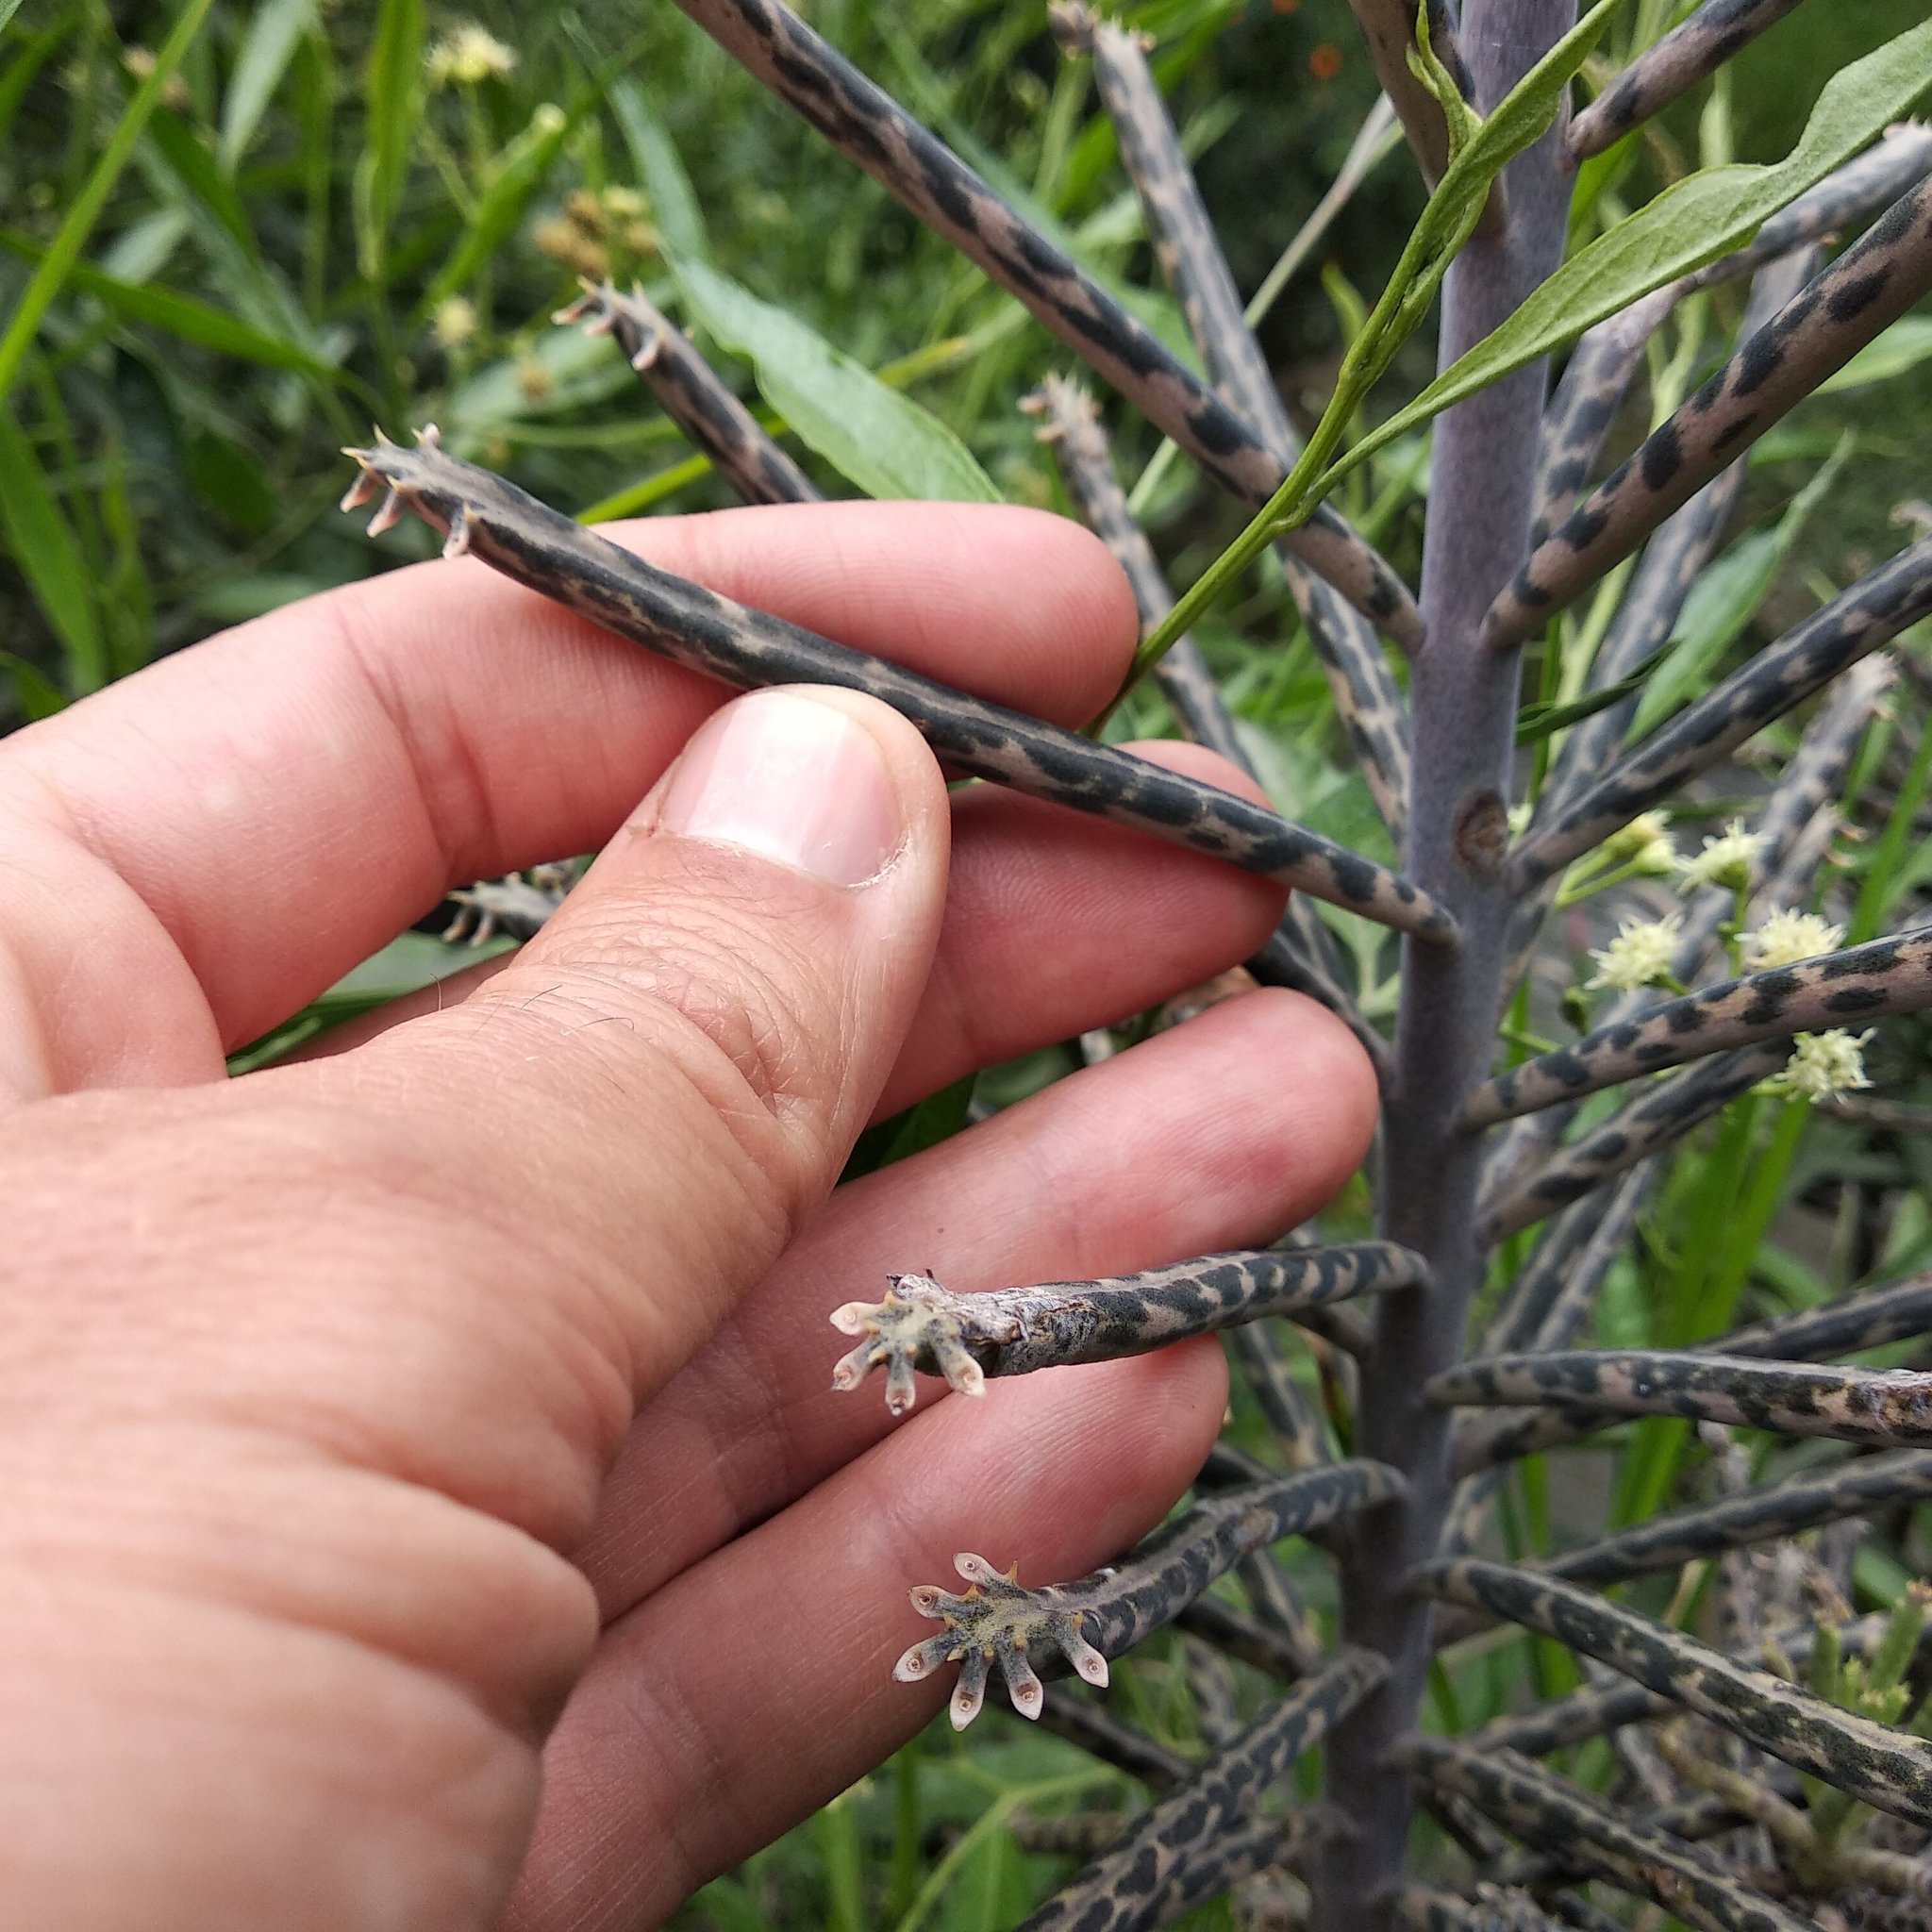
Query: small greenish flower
(1640, 956)
(1519, 817)
(454, 323)
(1786, 938)
(1725, 861)
(467, 58)
(1822, 1064)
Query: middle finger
(1220, 1133)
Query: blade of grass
(64, 250)
(49, 556)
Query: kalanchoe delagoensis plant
(1529, 747)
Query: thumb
(683, 1057)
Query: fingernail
(781, 775)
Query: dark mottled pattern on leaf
(1890, 1769)
(1137, 1882)
(1013, 1331)
(1690, 53)
(492, 519)
(1366, 697)
(917, 168)
(1552, 1814)
(1782, 675)
(1890, 975)
(996, 1619)
(1869, 287)
(693, 395)
(1887, 1408)
(1660, 1113)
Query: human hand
(355, 1414)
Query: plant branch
(1133, 1884)
(1802, 662)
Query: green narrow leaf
(38, 695)
(8, 10)
(390, 87)
(518, 173)
(274, 31)
(1897, 352)
(191, 319)
(1723, 599)
(1692, 222)
(936, 1118)
(660, 171)
(194, 165)
(884, 442)
(48, 554)
(25, 323)
(1539, 721)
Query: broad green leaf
(1899, 350)
(661, 172)
(274, 31)
(885, 443)
(191, 319)
(8, 10)
(1723, 599)
(1703, 216)
(390, 88)
(64, 250)
(48, 556)
(936, 1118)
(517, 174)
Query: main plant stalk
(1462, 712)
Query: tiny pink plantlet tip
(388, 515)
(648, 352)
(458, 542)
(363, 489)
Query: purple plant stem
(1463, 708)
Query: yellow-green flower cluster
(1640, 956)
(467, 58)
(1784, 938)
(1724, 862)
(1822, 1064)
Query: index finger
(275, 803)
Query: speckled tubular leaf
(1690, 223)
(882, 440)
